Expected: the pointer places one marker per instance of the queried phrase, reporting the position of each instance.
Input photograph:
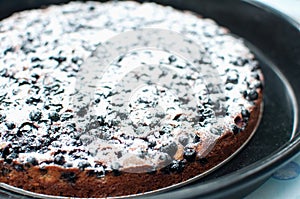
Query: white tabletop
(289, 7)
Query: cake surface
(155, 119)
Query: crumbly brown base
(48, 180)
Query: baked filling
(152, 115)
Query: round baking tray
(275, 39)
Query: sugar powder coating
(42, 54)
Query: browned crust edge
(48, 181)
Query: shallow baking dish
(275, 39)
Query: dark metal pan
(275, 39)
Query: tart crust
(56, 178)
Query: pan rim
(293, 146)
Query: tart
(154, 119)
